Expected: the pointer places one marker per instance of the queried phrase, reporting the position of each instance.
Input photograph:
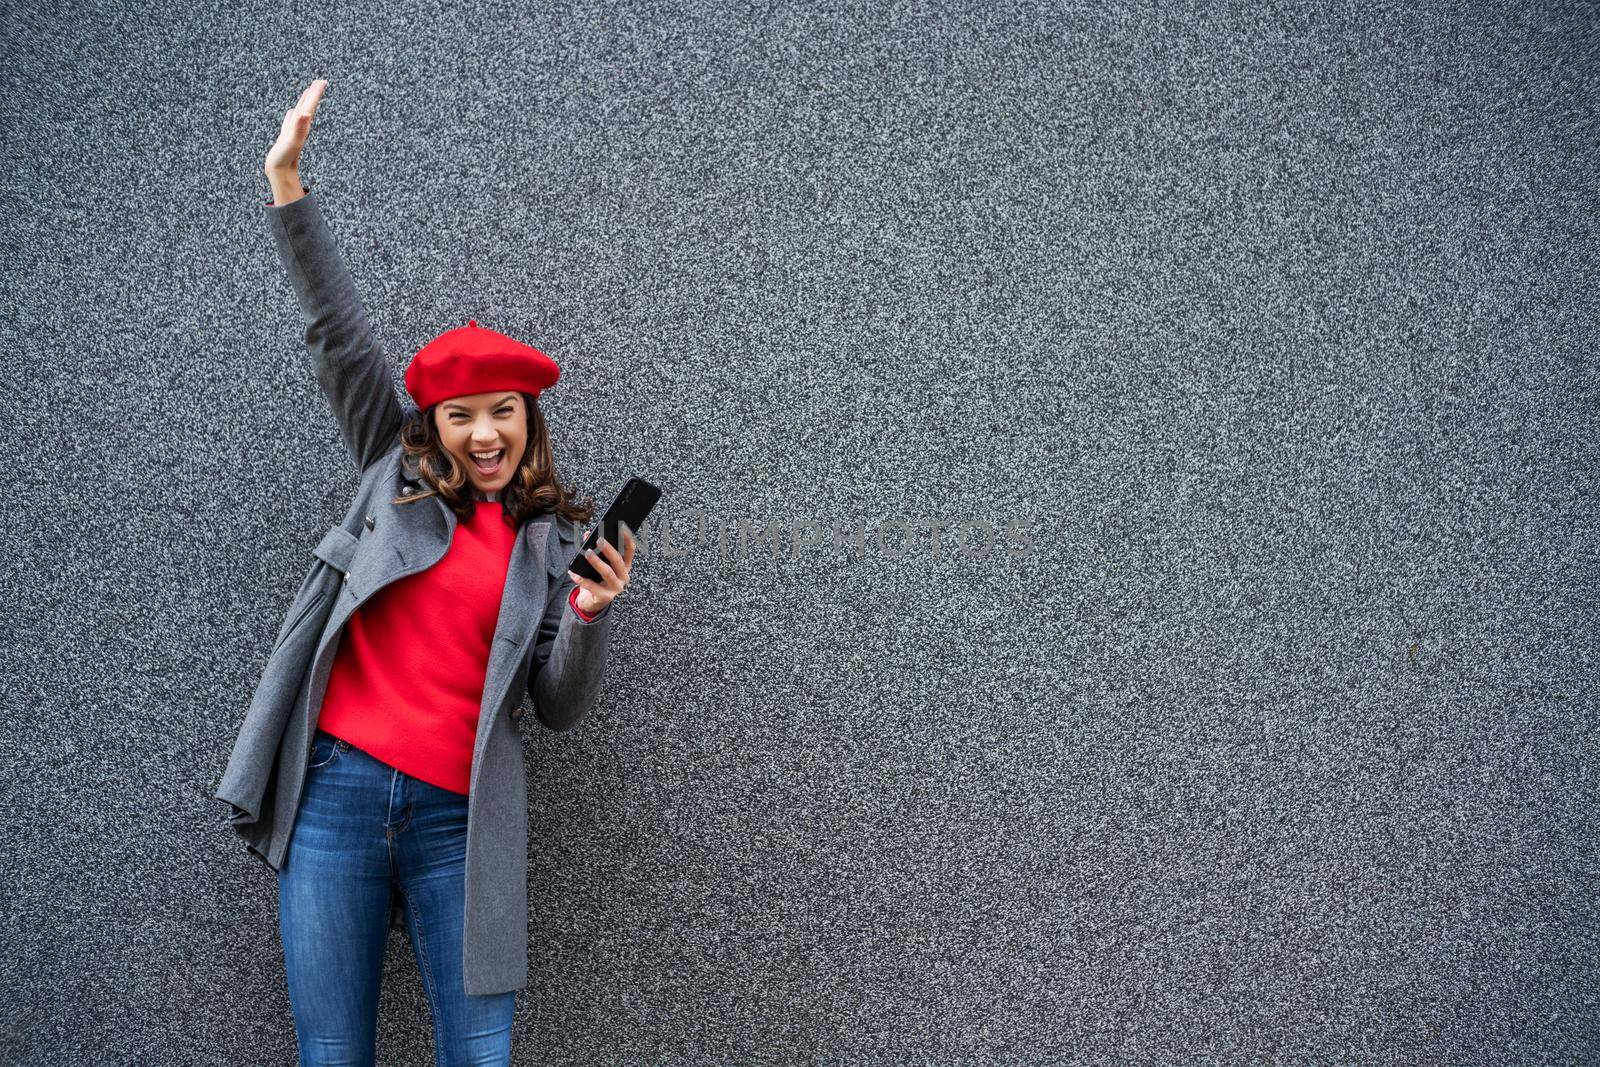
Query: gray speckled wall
(1262, 334)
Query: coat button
(370, 523)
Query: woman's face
(482, 423)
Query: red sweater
(407, 681)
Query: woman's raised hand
(283, 158)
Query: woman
(379, 766)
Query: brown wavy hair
(534, 489)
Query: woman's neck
(479, 494)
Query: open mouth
(488, 462)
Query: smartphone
(631, 506)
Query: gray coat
(543, 652)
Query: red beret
(470, 359)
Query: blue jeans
(362, 828)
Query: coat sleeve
(569, 657)
(346, 359)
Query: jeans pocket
(324, 750)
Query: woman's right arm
(346, 358)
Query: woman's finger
(305, 109)
(620, 562)
(311, 97)
(599, 563)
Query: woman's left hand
(613, 566)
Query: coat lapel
(525, 584)
(538, 559)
